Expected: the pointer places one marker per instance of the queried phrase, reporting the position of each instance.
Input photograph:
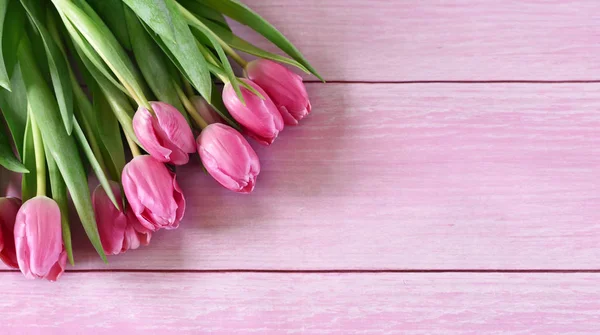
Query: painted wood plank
(432, 40)
(252, 303)
(420, 176)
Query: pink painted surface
(284, 303)
(394, 40)
(413, 177)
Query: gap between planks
(397, 82)
(333, 271)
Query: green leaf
(242, 45)
(241, 13)
(4, 78)
(214, 43)
(84, 48)
(182, 48)
(11, 31)
(59, 194)
(61, 146)
(152, 63)
(7, 157)
(157, 15)
(58, 66)
(89, 153)
(109, 134)
(112, 12)
(14, 108)
(29, 180)
(206, 12)
(105, 44)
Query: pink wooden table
(446, 183)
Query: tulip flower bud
(118, 232)
(228, 157)
(205, 110)
(8, 213)
(153, 193)
(38, 239)
(166, 135)
(285, 88)
(260, 117)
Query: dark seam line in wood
(456, 82)
(524, 271)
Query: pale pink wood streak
(251, 303)
(387, 40)
(420, 176)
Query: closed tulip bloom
(228, 157)
(205, 110)
(285, 88)
(259, 116)
(118, 232)
(38, 239)
(166, 135)
(153, 193)
(8, 213)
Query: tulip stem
(40, 158)
(135, 150)
(189, 91)
(189, 107)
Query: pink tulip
(153, 193)
(8, 213)
(285, 88)
(260, 117)
(166, 135)
(38, 239)
(228, 157)
(118, 232)
(205, 110)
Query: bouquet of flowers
(87, 84)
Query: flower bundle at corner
(150, 68)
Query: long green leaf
(14, 108)
(28, 180)
(59, 194)
(206, 12)
(61, 146)
(157, 15)
(89, 153)
(86, 49)
(7, 157)
(99, 36)
(152, 63)
(11, 31)
(183, 47)
(109, 133)
(214, 43)
(241, 13)
(111, 11)
(4, 78)
(242, 45)
(58, 66)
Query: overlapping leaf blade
(183, 48)
(57, 64)
(60, 145)
(7, 157)
(241, 13)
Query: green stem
(135, 150)
(40, 157)
(228, 50)
(190, 108)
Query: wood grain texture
(420, 176)
(250, 303)
(432, 40)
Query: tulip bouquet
(126, 90)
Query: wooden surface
(284, 303)
(489, 164)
